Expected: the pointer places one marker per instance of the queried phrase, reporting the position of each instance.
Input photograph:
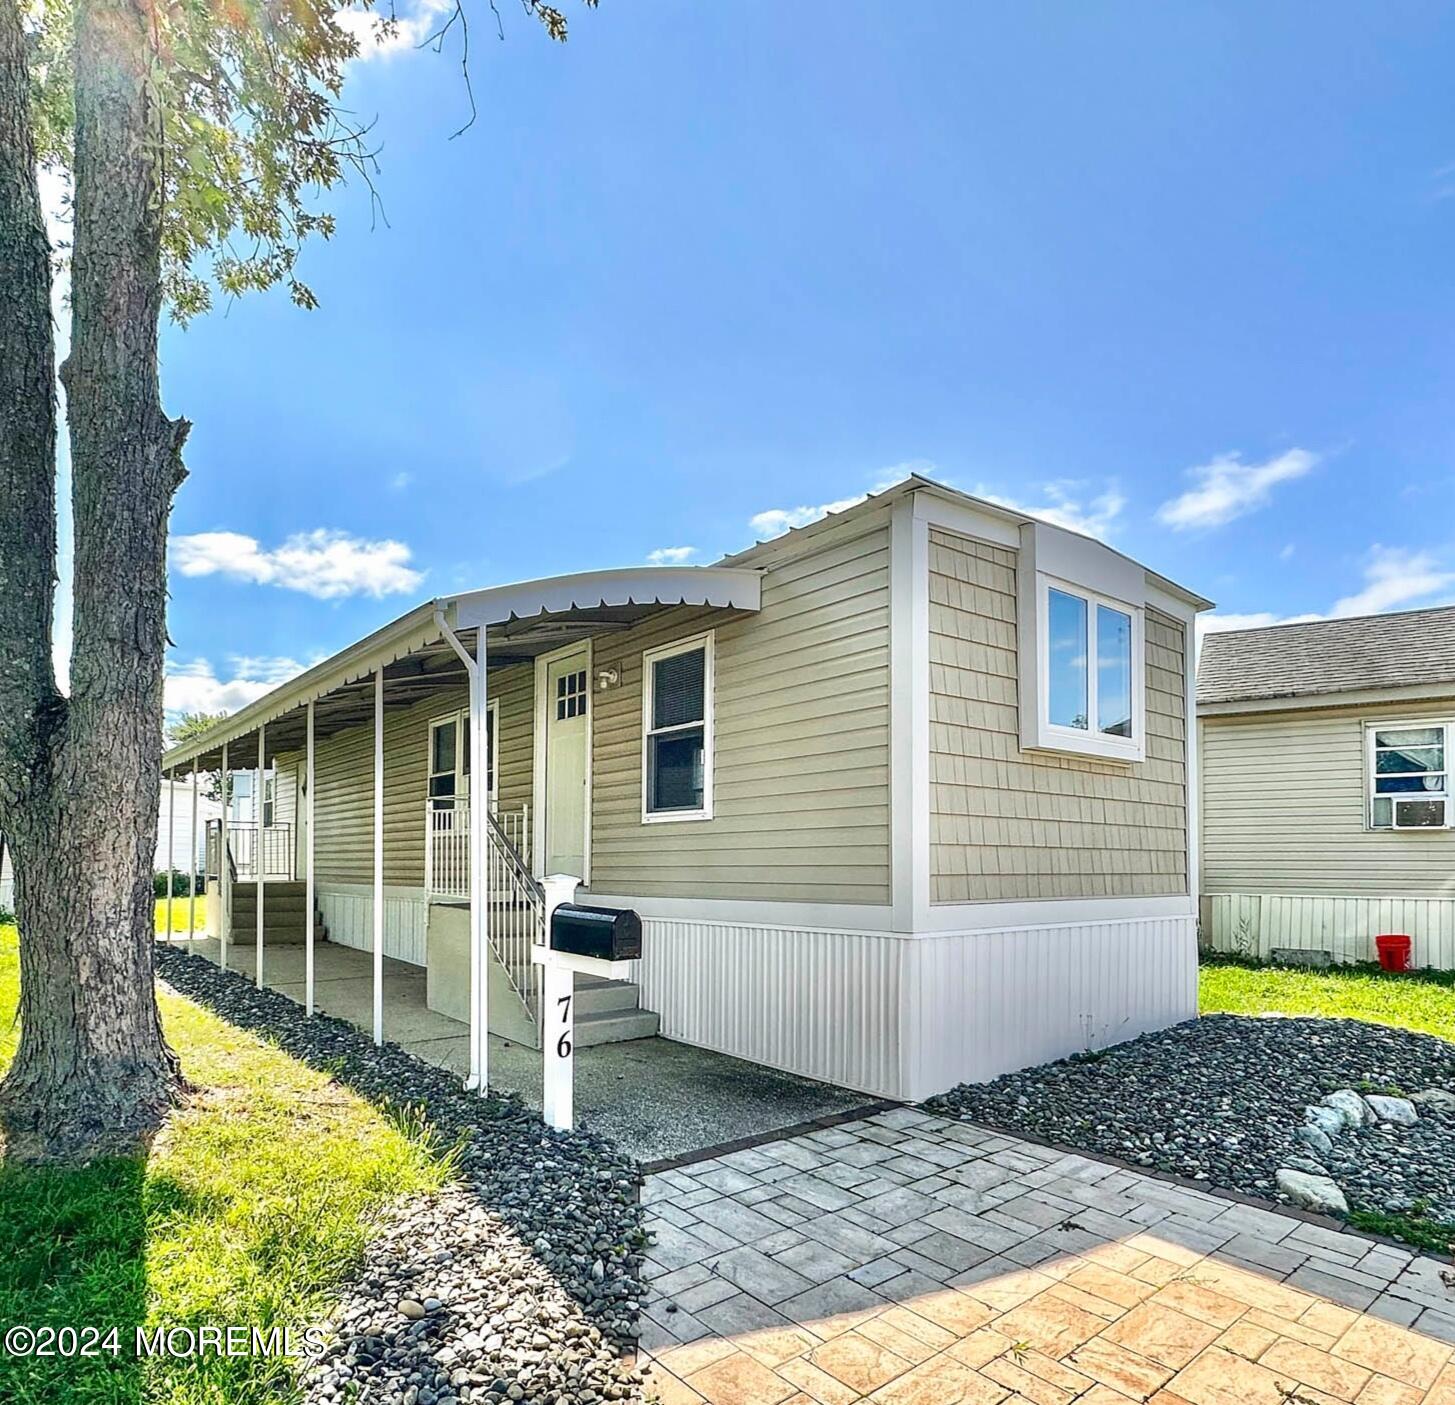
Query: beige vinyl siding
(1283, 808)
(1011, 825)
(344, 777)
(801, 774)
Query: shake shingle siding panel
(1010, 825)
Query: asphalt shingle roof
(1328, 656)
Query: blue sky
(1184, 274)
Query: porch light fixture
(606, 678)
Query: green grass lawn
(255, 1203)
(1423, 1001)
(181, 913)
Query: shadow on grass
(73, 1246)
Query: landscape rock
(1437, 1098)
(1330, 1121)
(1315, 1138)
(1317, 1193)
(1350, 1106)
(1220, 1100)
(1400, 1111)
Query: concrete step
(595, 996)
(615, 1027)
(280, 887)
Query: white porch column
(379, 855)
(479, 1005)
(192, 872)
(224, 869)
(171, 844)
(260, 867)
(479, 889)
(308, 871)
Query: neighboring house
(1325, 791)
(181, 832)
(903, 797)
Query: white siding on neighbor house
(1012, 825)
(1282, 796)
(801, 773)
(1257, 925)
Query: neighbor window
(1409, 786)
(677, 731)
(1090, 699)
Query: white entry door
(567, 698)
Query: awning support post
(171, 845)
(192, 872)
(379, 855)
(475, 667)
(308, 870)
(260, 864)
(224, 868)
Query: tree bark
(80, 779)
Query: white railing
(242, 846)
(447, 845)
(515, 904)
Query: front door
(567, 696)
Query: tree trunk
(81, 780)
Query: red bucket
(1394, 951)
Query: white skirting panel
(988, 1002)
(820, 1003)
(348, 913)
(1254, 924)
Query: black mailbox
(607, 933)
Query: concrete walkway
(656, 1098)
(908, 1260)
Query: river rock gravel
(519, 1281)
(1221, 1100)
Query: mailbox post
(558, 997)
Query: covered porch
(380, 873)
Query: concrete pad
(657, 1099)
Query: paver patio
(906, 1259)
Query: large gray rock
(1315, 1138)
(1317, 1193)
(1329, 1120)
(1400, 1111)
(1437, 1098)
(1350, 1106)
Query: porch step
(595, 996)
(615, 1027)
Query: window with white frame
(270, 799)
(677, 731)
(1409, 783)
(1090, 662)
(449, 757)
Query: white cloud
(1227, 488)
(325, 564)
(195, 686)
(380, 34)
(1064, 506)
(1287, 553)
(1395, 577)
(401, 481)
(776, 520)
(671, 555)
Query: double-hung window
(449, 757)
(1091, 650)
(677, 731)
(1409, 783)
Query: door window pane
(1113, 672)
(1067, 637)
